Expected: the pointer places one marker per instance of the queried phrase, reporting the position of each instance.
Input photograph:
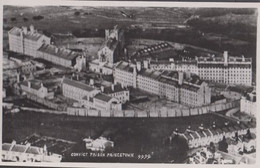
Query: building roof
(34, 84)
(78, 84)
(214, 131)
(117, 88)
(125, 66)
(187, 135)
(103, 97)
(207, 132)
(15, 31)
(18, 148)
(200, 133)
(6, 146)
(194, 135)
(33, 150)
(150, 73)
(58, 52)
(35, 36)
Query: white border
(128, 4)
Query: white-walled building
(101, 67)
(226, 69)
(88, 96)
(24, 41)
(118, 91)
(27, 153)
(248, 103)
(59, 56)
(77, 90)
(37, 88)
(183, 88)
(203, 136)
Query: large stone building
(24, 41)
(32, 43)
(183, 88)
(88, 96)
(118, 91)
(59, 56)
(37, 88)
(77, 90)
(226, 69)
(112, 47)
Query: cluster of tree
(25, 19)
(39, 17)
(13, 19)
(89, 33)
(211, 12)
(77, 13)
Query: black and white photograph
(108, 83)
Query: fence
(163, 112)
(155, 113)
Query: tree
(223, 145)
(77, 13)
(25, 19)
(13, 19)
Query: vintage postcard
(144, 82)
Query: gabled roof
(6, 146)
(35, 36)
(33, 150)
(35, 85)
(117, 88)
(103, 97)
(78, 84)
(125, 66)
(18, 148)
(59, 52)
(15, 31)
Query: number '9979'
(146, 156)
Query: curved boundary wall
(163, 112)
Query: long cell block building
(184, 88)
(226, 69)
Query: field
(216, 29)
(130, 135)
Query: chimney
(27, 146)
(113, 87)
(18, 77)
(146, 64)
(122, 85)
(29, 84)
(12, 145)
(41, 84)
(225, 55)
(138, 65)
(188, 74)
(25, 30)
(32, 29)
(45, 149)
(180, 78)
(56, 50)
(91, 82)
(201, 127)
(102, 88)
(243, 58)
